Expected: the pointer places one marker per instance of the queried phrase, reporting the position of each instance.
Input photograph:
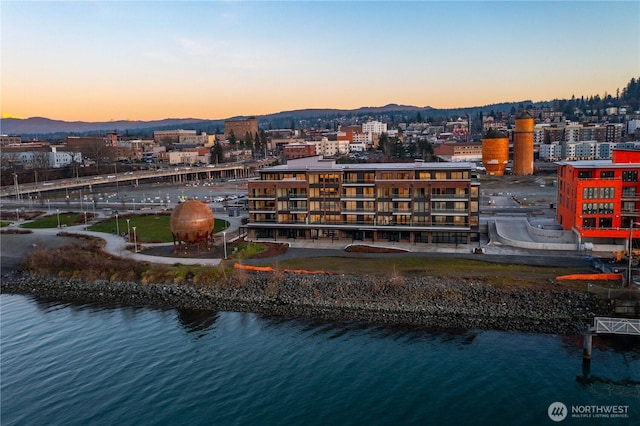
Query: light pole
(128, 230)
(630, 252)
(117, 225)
(49, 204)
(224, 242)
(58, 216)
(135, 240)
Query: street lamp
(135, 240)
(85, 220)
(117, 225)
(128, 230)
(58, 216)
(630, 251)
(224, 240)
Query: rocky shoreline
(409, 301)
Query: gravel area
(415, 301)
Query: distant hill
(34, 126)
(41, 125)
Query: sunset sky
(149, 60)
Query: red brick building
(600, 199)
(298, 150)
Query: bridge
(176, 174)
(603, 325)
(606, 325)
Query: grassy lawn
(149, 228)
(5, 223)
(51, 221)
(495, 273)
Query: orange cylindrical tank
(523, 144)
(495, 152)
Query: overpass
(172, 173)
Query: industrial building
(315, 198)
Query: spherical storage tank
(495, 152)
(523, 144)
(192, 223)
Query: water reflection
(197, 321)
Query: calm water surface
(76, 365)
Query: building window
(629, 175)
(589, 222)
(606, 174)
(605, 222)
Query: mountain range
(44, 126)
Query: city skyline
(102, 61)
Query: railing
(616, 326)
(359, 211)
(358, 182)
(449, 196)
(450, 211)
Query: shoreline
(426, 301)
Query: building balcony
(357, 198)
(445, 197)
(262, 197)
(358, 211)
(358, 183)
(456, 212)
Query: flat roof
(317, 163)
(597, 164)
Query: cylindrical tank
(192, 222)
(495, 152)
(523, 144)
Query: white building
(328, 148)
(45, 159)
(375, 127)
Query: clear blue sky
(95, 61)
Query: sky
(150, 60)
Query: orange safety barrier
(270, 269)
(253, 268)
(596, 277)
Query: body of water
(68, 364)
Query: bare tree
(41, 161)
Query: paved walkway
(18, 245)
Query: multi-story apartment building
(314, 198)
(600, 199)
(330, 148)
(550, 151)
(374, 127)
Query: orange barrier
(270, 269)
(597, 277)
(253, 268)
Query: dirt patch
(370, 249)
(273, 250)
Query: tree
(217, 154)
(248, 141)
(232, 138)
(41, 161)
